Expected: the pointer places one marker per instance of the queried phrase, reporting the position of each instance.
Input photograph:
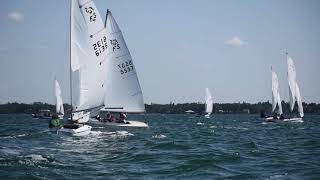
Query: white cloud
(16, 16)
(235, 41)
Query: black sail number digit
(100, 46)
(125, 67)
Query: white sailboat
(276, 100)
(123, 91)
(294, 91)
(59, 102)
(208, 103)
(88, 48)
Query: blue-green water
(173, 147)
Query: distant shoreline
(171, 108)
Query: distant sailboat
(276, 100)
(88, 48)
(59, 102)
(294, 91)
(123, 91)
(208, 103)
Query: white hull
(81, 117)
(207, 115)
(293, 120)
(83, 130)
(271, 119)
(130, 124)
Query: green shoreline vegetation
(171, 108)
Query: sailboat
(294, 91)
(208, 103)
(88, 48)
(59, 102)
(123, 92)
(276, 100)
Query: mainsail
(276, 100)
(59, 102)
(294, 91)
(292, 81)
(88, 52)
(208, 101)
(123, 91)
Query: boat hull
(271, 119)
(129, 124)
(293, 120)
(83, 130)
(207, 116)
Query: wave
(160, 136)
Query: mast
(70, 59)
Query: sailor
(55, 122)
(110, 117)
(122, 118)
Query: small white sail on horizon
(276, 100)
(208, 102)
(59, 102)
(123, 91)
(88, 53)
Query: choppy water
(173, 147)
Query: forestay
(208, 101)
(59, 102)
(88, 52)
(123, 93)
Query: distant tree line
(243, 107)
(171, 108)
(29, 108)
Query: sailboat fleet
(103, 76)
(294, 95)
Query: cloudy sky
(179, 47)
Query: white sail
(276, 100)
(299, 101)
(123, 93)
(279, 104)
(291, 81)
(88, 52)
(208, 101)
(59, 102)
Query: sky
(178, 47)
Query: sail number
(126, 67)
(100, 46)
(89, 10)
(115, 44)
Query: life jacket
(54, 123)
